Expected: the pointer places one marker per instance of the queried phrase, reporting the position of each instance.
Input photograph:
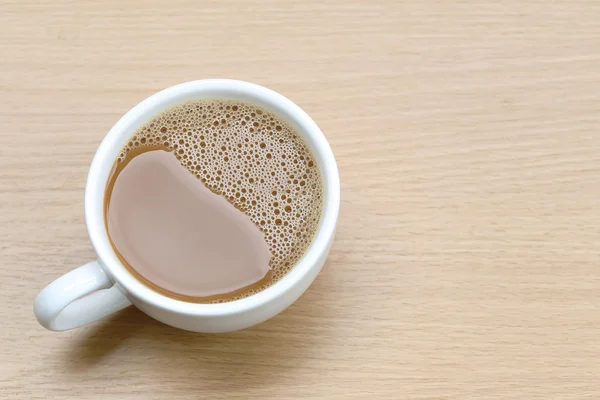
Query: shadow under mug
(104, 286)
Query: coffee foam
(253, 159)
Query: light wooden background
(467, 260)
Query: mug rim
(113, 142)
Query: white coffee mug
(102, 287)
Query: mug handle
(78, 298)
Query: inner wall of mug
(120, 134)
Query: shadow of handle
(78, 298)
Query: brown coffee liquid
(252, 161)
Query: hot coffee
(213, 200)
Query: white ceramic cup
(102, 287)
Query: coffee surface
(266, 200)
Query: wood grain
(467, 259)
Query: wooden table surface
(467, 133)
